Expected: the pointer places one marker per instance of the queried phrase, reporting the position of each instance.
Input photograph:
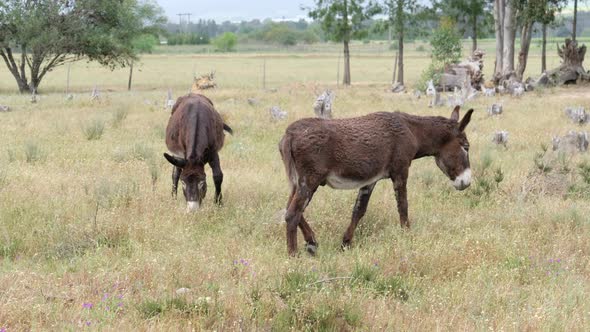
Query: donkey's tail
(228, 129)
(288, 161)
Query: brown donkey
(357, 152)
(194, 136)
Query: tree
(398, 15)
(528, 13)
(50, 33)
(144, 43)
(342, 21)
(471, 15)
(446, 44)
(226, 42)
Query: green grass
(83, 218)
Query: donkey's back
(346, 153)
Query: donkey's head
(193, 180)
(453, 156)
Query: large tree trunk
(509, 37)
(525, 43)
(499, 21)
(571, 69)
(544, 49)
(346, 78)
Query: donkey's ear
(455, 114)
(178, 162)
(465, 121)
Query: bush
(145, 43)
(93, 129)
(226, 42)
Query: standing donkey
(194, 136)
(357, 152)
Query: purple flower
(550, 260)
(2, 329)
(88, 323)
(120, 296)
(558, 260)
(107, 308)
(120, 304)
(235, 262)
(105, 296)
(87, 305)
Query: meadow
(90, 238)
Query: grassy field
(91, 240)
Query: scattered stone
(436, 100)
(277, 114)
(518, 90)
(252, 102)
(69, 97)
(500, 137)
(572, 142)
(430, 90)
(322, 106)
(95, 94)
(577, 114)
(182, 291)
(397, 88)
(501, 90)
(169, 100)
(489, 92)
(495, 109)
(4, 108)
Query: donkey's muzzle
(463, 181)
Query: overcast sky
(235, 10)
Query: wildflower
(108, 308)
(2, 329)
(105, 296)
(120, 304)
(120, 296)
(88, 323)
(87, 305)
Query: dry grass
(92, 222)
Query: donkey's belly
(338, 182)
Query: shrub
(93, 129)
(33, 152)
(119, 115)
(446, 43)
(226, 42)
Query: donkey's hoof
(312, 248)
(345, 245)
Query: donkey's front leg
(217, 177)
(175, 177)
(401, 195)
(360, 207)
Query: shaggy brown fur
(358, 152)
(194, 136)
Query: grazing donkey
(357, 152)
(194, 136)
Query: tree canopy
(38, 35)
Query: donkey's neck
(431, 133)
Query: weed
(119, 115)
(93, 129)
(33, 152)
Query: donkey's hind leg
(360, 207)
(294, 217)
(175, 177)
(311, 244)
